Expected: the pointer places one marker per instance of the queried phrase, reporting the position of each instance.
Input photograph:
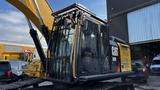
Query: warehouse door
(144, 24)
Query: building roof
(16, 43)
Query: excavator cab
(80, 52)
(79, 45)
(79, 48)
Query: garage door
(144, 24)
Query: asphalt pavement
(153, 84)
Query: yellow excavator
(81, 55)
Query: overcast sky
(13, 26)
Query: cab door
(89, 62)
(125, 57)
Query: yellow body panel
(27, 8)
(35, 69)
(125, 57)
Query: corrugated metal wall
(144, 24)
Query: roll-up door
(144, 24)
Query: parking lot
(153, 84)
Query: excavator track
(106, 86)
(94, 86)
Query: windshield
(90, 40)
(137, 63)
(4, 66)
(17, 66)
(90, 49)
(17, 63)
(156, 62)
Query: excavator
(81, 54)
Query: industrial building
(17, 51)
(138, 23)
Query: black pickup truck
(5, 71)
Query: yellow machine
(79, 53)
(39, 12)
(35, 69)
(29, 10)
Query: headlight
(144, 69)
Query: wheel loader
(81, 54)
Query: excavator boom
(39, 12)
(28, 9)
